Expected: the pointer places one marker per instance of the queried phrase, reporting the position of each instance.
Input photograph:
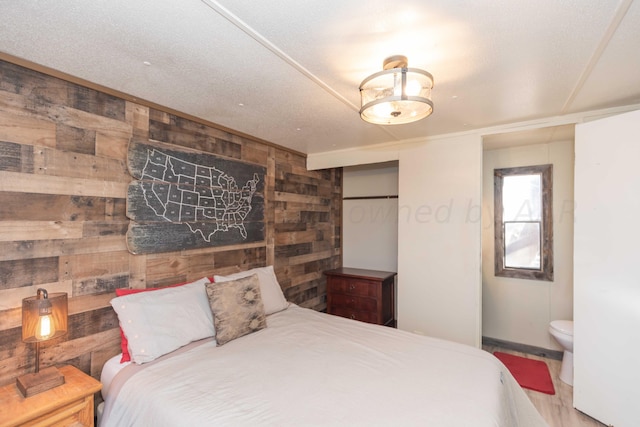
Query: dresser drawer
(354, 302)
(78, 414)
(363, 316)
(356, 287)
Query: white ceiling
(288, 71)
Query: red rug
(531, 374)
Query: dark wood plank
(95, 102)
(287, 251)
(196, 141)
(16, 157)
(104, 228)
(97, 285)
(8, 339)
(92, 322)
(244, 259)
(74, 139)
(51, 207)
(187, 133)
(39, 87)
(28, 272)
(28, 249)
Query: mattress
(308, 368)
(109, 371)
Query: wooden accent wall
(63, 184)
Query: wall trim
(369, 197)
(523, 348)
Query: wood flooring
(556, 409)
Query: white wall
(439, 234)
(519, 310)
(607, 285)
(370, 226)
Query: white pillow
(159, 322)
(272, 296)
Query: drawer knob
(352, 287)
(353, 316)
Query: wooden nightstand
(70, 404)
(365, 295)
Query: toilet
(562, 331)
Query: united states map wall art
(187, 200)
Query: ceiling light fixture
(397, 94)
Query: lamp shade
(396, 95)
(44, 316)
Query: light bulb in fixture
(383, 110)
(413, 88)
(45, 328)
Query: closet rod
(369, 197)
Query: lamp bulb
(413, 88)
(46, 328)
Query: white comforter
(312, 369)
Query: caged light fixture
(397, 94)
(44, 317)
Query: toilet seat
(563, 326)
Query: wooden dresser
(365, 295)
(70, 404)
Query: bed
(305, 368)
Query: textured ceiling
(288, 71)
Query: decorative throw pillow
(237, 308)
(272, 296)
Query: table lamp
(43, 317)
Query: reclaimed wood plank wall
(63, 185)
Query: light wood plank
(89, 265)
(111, 146)
(29, 249)
(138, 271)
(294, 206)
(76, 348)
(15, 104)
(138, 116)
(294, 237)
(12, 318)
(77, 165)
(27, 130)
(12, 298)
(39, 230)
(30, 183)
(315, 256)
(166, 265)
(296, 198)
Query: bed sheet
(312, 369)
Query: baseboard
(524, 348)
